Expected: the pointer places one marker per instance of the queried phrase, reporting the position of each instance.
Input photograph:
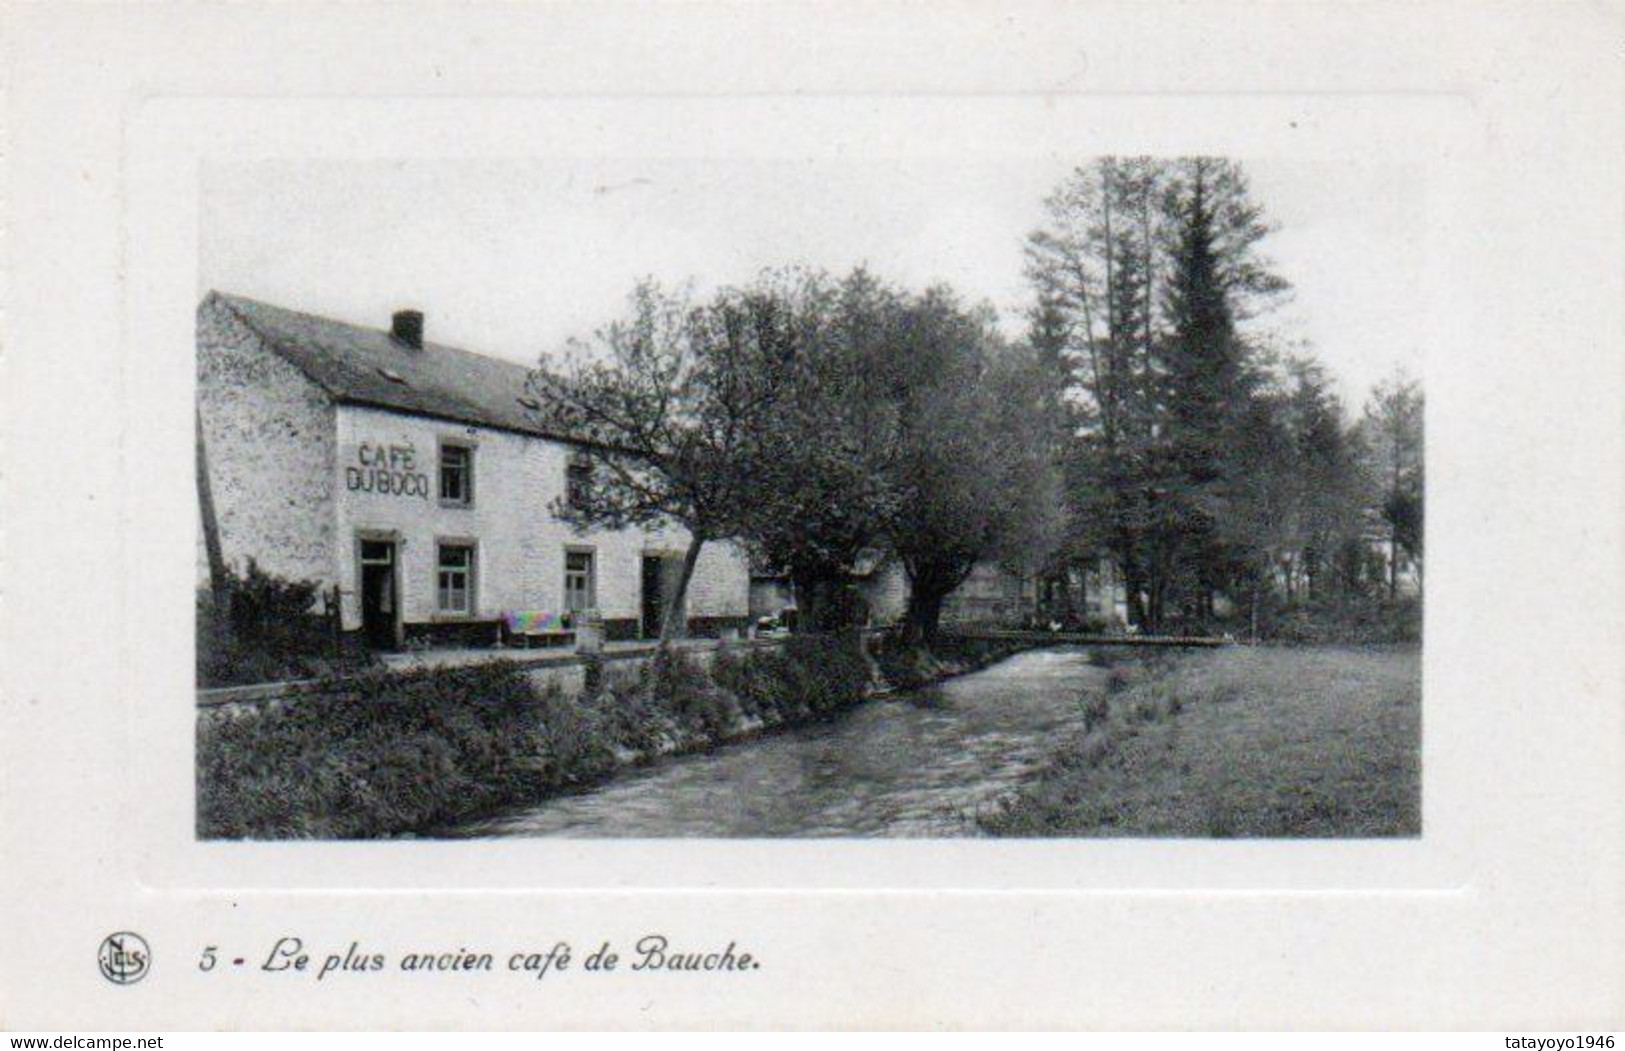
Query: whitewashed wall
(283, 465)
(520, 544)
(269, 434)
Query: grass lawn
(1314, 741)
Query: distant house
(414, 478)
(992, 594)
(771, 593)
(884, 586)
(1089, 596)
(879, 581)
(1391, 564)
(995, 595)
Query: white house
(415, 478)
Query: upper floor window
(456, 474)
(577, 480)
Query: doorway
(380, 594)
(661, 573)
(654, 605)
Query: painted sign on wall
(385, 468)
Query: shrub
(269, 631)
(631, 716)
(387, 752)
(1096, 709)
(1360, 621)
(756, 681)
(1146, 710)
(263, 603)
(909, 665)
(827, 672)
(575, 738)
(699, 706)
(1095, 749)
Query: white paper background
(1506, 913)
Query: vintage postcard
(760, 547)
(813, 516)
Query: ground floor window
(580, 590)
(455, 572)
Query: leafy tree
(816, 420)
(1203, 381)
(1154, 267)
(973, 476)
(1028, 519)
(1392, 429)
(1261, 527)
(1207, 376)
(1074, 544)
(668, 402)
(1328, 498)
(821, 497)
(1094, 265)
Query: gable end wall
(270, 437)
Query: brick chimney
(407, 328)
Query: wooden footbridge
(1067, 638)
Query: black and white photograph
(764, 515)
(810, 499)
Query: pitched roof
(366, 366)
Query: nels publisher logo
(124, 958)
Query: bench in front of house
(532, 625)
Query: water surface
(914, 764)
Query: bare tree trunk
(924, 616)
(673, 622)
(211, 526)
(1150, 275)
(1393, 531)
(1134, 588)
(809, 595)
(815, 601)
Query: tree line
(1139, 423)
(1213, 469)
(816, 419)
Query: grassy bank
(1317, 741)
(399, 752)
(909, 666)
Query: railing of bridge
(1065, 638)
